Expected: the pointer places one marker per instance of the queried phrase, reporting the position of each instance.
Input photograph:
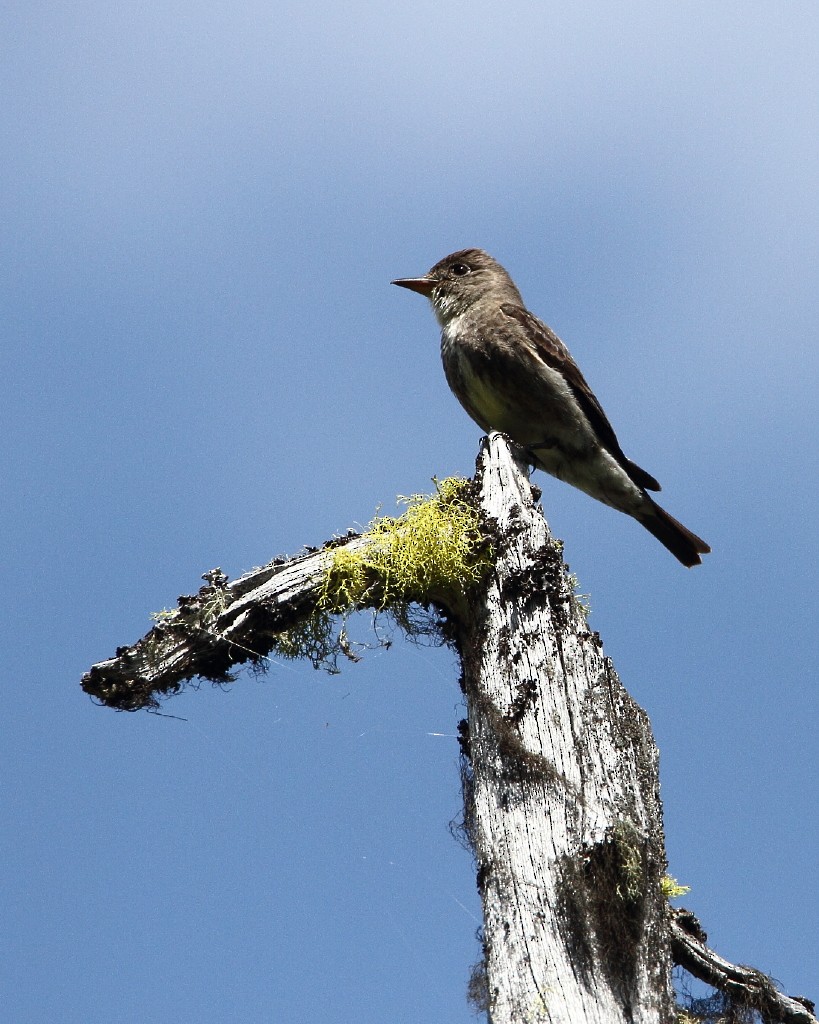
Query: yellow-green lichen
(434, 551)
(671, 888)
(165, 615)
(582, 602)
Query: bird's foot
(531, 450)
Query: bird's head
(462, 279)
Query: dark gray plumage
(513, 374)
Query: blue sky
(204, 364)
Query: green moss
(434, 551)
(671, 888)
(629, 860)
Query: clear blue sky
(205, 364)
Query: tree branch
(224, 625)
(745, 986)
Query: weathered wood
(562, 798)
(746, 987)
(224, 625)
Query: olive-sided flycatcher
(513, 374)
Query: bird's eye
(459, 269)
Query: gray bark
(562, 802)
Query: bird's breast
(504, 382)
(473, 379)
(503, 385)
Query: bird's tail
(681, 542)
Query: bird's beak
(422, 285)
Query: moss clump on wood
(435, 551)
(671, 888)
(603, 897)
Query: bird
(512, 374)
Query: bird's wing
(555, 354)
